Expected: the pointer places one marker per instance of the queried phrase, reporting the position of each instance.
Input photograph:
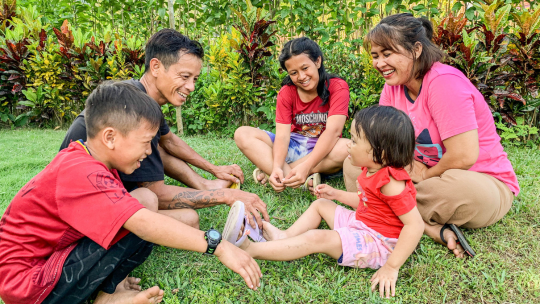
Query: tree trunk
(179, 123)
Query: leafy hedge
(48, 72)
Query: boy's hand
(325, 191)
(240, 262)
(386, 277)
(276, 180)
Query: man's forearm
(174, 197)
(180, 149)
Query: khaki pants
(465, 198)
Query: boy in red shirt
(73, 232)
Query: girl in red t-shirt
(312, 107)
(386, 226)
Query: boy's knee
(147, 198)
(192, 218)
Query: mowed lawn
(506, 269)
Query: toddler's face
(130, 150)
(360, 152)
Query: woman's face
(304, 72)
(395, 67)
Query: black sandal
(461, 238)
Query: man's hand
(386, 277)
(416, 171)
(298, 175)
(240, 262)
(232, 173)
(253, 205)
(276, 180)
(325, 191)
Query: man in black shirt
(172, 66)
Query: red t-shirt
(73, 197)
(309, 118)
(378, 211)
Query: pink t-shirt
(449, 104)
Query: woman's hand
(325, 191)
(276, 179)
(297, 176)
(417, 171)
(386, 277)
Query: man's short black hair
(390, 133)
(121, 106)
(168, 45)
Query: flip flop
(256, 173)
(316, 177)
(236, 218)
(461, 238)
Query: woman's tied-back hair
(405, 30)
(304, 45)
(168, 45)
(121, 106)
(390, 133)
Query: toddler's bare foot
(124, 294)
(271, 233)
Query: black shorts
(90, 268)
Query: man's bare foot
(215, 184)
(125, 294)
(132, 283)
(271, 233)
(434, 232)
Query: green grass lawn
(505, 269)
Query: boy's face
(130, 150)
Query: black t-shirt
(151, 167)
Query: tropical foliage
(53, 53)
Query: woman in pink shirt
(462, 174)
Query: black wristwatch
(213, 238)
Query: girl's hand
(325, 191)
(276, 180)
(386, 277)
(298, 175)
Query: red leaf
(17, 88)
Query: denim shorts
(299, 146)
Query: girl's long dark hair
(304, 45)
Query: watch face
(213, 234)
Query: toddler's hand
(386, 277)
(325, 191)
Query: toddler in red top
(386, 226)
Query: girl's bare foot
(271, 233)
(262, 178)
(434, 232)
(125, 294)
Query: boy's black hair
(121, 106)
(168, 45)
(390, 133)
(304, 45)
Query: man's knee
(147, 198)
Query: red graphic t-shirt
(309, 118)
(378, 211)
(73, 197)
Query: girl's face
(395, 67)
(304, 72)
(360, 152)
